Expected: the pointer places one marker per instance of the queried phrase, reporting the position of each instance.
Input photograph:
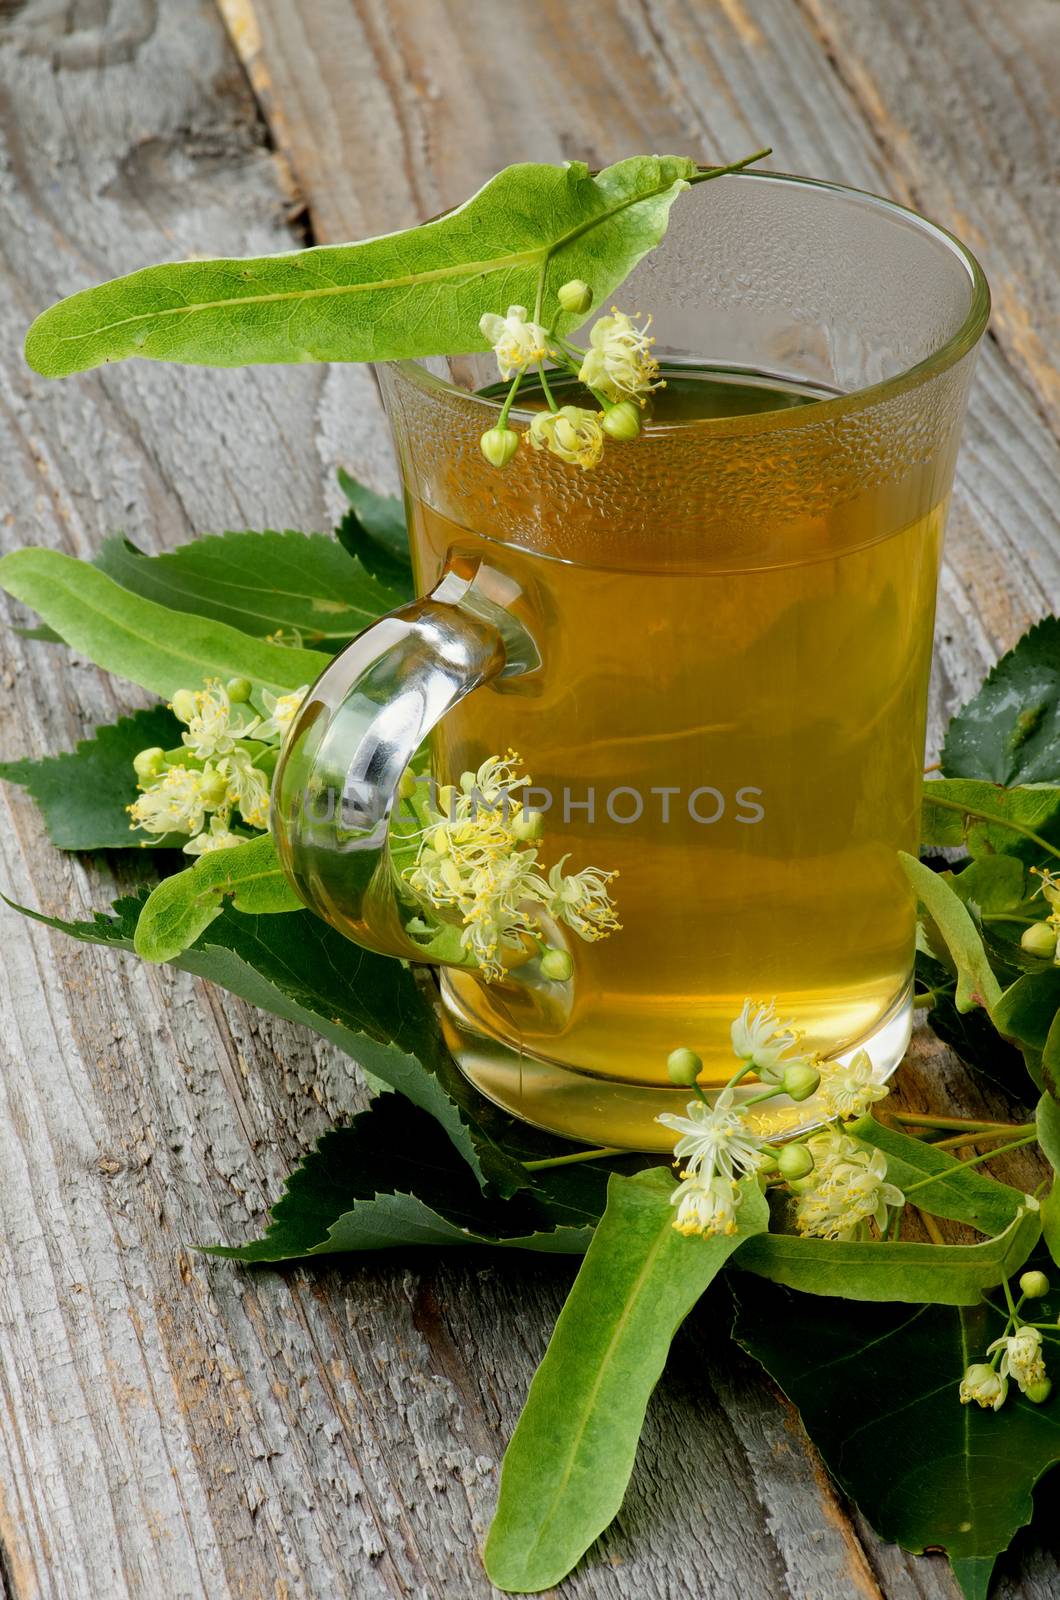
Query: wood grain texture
(174, 1427)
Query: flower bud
(406, 785)
(683, 1066)
(575, 296)
(800, 1080)
(446, 800)
(557, 966)
(1039, 940)
(499, 445)
(451, 875)
(794, 1162)
(1034, 1285)
(213, 787)
(149, 763)
(622, 422)
(528, 825)
(183, 704)
(1040, 1391)
(238, 690)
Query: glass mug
(711, 653)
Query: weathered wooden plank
(963, 99)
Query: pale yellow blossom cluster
(221, 771)
(477, 859)
(839, 1185)
(618, 369)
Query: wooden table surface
(172, 1426)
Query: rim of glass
(957, 345)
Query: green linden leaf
(877, 1390)
(183, 905)
(1047, 1118)
(1010, 731)
(374, 532)
(952, 1275)
(297, 967)
(1027, 1013)
(976, 983)
(959, 1193)
(302, 585)
(393, 1178)
(416, 293)
(139, 639)
(569, 1461)
(83, 794)
(986, 820)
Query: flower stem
(579, 1155)
(502, 421)
(956, 1140)
(931, 1227)
(918, 1119)
(552, 406)
(987, 1155)
(927, 997)
(706, 173)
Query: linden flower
(491, 788)
(848, 1090)
(705, 1207)
(1022, 1359)
(218, 837)
(179, 800)
(517, 342)
(246, 787)
(619, 362)
(761, 1040)
(571, 433)
(848, 1188)
(496, 917)
(983, 1385)
(208, 714)
(714, 1137)
(476, 859)
(582, 901)
(282, 709)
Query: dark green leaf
(986, 820)
(374, 532)
(976, 984)
(1010, 731)
(393, 1178)
(416, 293)
(1047, 1117)
(302, 585)
(877, 1390)
(971, 1034)
(570, 1458)
(83, 794)
(952, 1275)
(296, 966)
(1026, 1013)
(960, 1193)
(141, 640)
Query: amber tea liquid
(742, 739)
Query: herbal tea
(741, 741)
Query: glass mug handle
(336, 783)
